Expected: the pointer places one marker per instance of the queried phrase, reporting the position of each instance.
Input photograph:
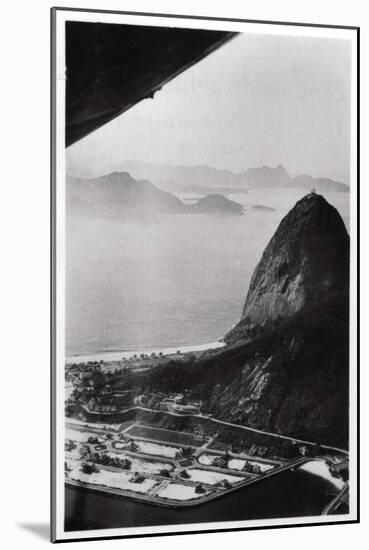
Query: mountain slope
(118, 195)
(286, 366)
(295, 380)
(292, 379)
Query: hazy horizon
(120, 167)
(259, 100)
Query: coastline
(170, 503)
(118, 355)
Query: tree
(200, 489)
(137, 478)
(132, 446)
(125, 464)
(164, 473)
(317, 450)
(88, 468)
(226, 484)
(220, 462)
(187, 452)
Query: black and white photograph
(204, 211)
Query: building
(185, 409)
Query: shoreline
(124, 354)
(172, 503)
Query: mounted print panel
(204, 273)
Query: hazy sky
(257, 100)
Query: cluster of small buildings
(83, 378)
(178, 404)
(95, 405)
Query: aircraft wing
(111, 67)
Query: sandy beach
(118, 355)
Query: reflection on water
(289, 494)
(321, 468)
(174, 281)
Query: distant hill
(200, 178)
(216, 204)
(321, 185)
(263, 208)
(206, 179)
(265, 177)
(119, 196)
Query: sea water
(172, 281)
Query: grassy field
(169, 436)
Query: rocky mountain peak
(307, 257)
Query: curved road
(224, 423)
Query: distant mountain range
(205, 179)
(119, 196)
